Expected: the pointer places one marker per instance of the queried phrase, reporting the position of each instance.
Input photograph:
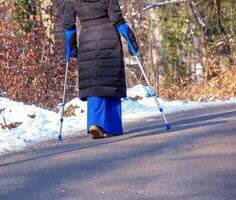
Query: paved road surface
(196, 160)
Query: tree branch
(149, 6)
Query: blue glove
(127, 33)
(71, 44)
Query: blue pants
(105, 113)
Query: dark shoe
(96, 132)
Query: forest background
(188, 48)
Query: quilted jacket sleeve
(115, 13)
(67, 13)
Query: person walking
(100, 60)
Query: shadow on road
(177, 126)
(102, 169)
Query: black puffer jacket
(100, 55)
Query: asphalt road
(196, 160)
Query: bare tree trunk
(150, 67)
(201, 30)
(47, 22)
(154, 40)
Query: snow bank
(36, 124)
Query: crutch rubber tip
(59, 138)
(168, 126)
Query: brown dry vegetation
(221, 87)
(32, 64)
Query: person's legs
(113, 117)
(96, 110)
(106, 114)
(96, 107)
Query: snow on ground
(39, 124)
